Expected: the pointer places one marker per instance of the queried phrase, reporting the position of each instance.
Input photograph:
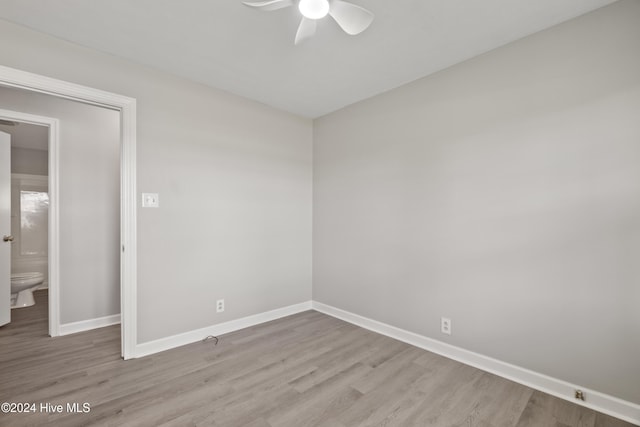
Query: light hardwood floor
(304, 370)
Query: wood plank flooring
(304, 370)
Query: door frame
(128, 249)
(54, 224)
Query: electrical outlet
(445, 325)
(220, 306)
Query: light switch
(150, 200)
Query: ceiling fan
(351, 18)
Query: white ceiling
(225, 44)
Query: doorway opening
(33, 181)
(29, 212)
(126, 109)
(85, 216)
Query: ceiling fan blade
(306, 29)
(269, 5)
(351, 18)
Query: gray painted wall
(234, 178)
(89, 201)
(26, 160)
(503, 193)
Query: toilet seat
(26, 275)
(25, 278)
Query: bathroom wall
(234, 178)
(29, 161)
(29, 144)
(503, 193)
(89, 201)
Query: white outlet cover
(220, 306)
(445, 325)
(150, 200)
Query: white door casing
(5, 228)
(53, 228)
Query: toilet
(22, 287)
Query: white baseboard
(185, 338)
(86, 325)
(600, 402)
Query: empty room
(333, 213)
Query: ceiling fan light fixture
(353, 19)
(314, 9)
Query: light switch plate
(150, 200)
